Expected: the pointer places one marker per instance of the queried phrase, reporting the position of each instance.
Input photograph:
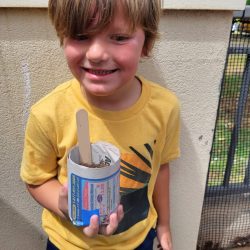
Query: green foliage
(248, 2)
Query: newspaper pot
(93, 189)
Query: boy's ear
(144, 51)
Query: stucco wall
(188, 59)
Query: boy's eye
(120, 38)
(81, 37)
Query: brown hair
(72, 17)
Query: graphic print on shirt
(136, 170)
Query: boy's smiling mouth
(99, 72)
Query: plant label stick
(82, 122)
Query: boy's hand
(93, 229)
(63, 200)
(164, 238)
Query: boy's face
(105, 63)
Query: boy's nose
(97, 52)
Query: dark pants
(147, 244)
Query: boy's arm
(161, 203)
(53, 196)
(47, 195)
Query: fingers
(120, 213)
(93, 228)
(165, 245)
(111, 227)
(114, 220)
(64, 190)
(159, 247)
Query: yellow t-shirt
(147, 135)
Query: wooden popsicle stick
(82, 122)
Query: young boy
(103, 41)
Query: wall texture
(189, 59)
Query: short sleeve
(171, 149)
(39, 157)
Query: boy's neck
(126, 98)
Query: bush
(248, 2)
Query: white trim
(167, 4)
(204, 4)
(24, 3)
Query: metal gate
(225, 220)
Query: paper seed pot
(93, 189)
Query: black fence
(225, 219)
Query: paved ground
(241, 248)
(225, 221)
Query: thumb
(65, 188)
(63, 192)
(63, 200)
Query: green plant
(248, 2)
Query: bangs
(90, 16)
(72, 17)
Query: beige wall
(166, 4)
(189, 59)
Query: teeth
(100, 72)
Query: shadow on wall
(18, 233)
